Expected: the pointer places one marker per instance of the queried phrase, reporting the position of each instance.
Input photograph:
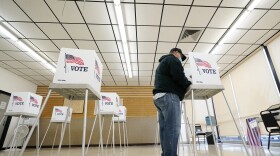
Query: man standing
(169, 89)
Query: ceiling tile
(238, 59)
(133, 58)
(169, 12)
(252, 36)
(203, 48)
(90, 45)
(144, 78)
(238, 33)
(100, 57)
(158, 56)
(207, 3)
(38, 77)
(128, 13)
(45, 45)
(146, 33)
(28, 72)
(134, 66)
(266, 36)
(15, 64)
(26, 77)
(52, 55)
(29, 30)
(145, 83)
(133, 83)
(169, 34)
(229, 66)
(253, 17)
(38, 11)
(221, 66)
(117, 72)
(186, 47)
(21, 56)
(65, 44)
(251, 49)
(164, 47)
(15, 71)
(235, 3)
(200, 16)
(148, 14)
(115, 66)
(131, 33)
(119, 78)
(145, 66)
(5, 45)
(99, 17)
(45, 72)
(102, 32)
(107, 46)
(109, 83)
(33, 65)
(107, 78)
(227, 59)
(132, 47)
(224, 17)
(238, 49)
(78, 31)
(145, 73)
(105, 72)
(147, 47)
(269, 20)
(54, 30)
(11, 12)
(222, 49)
(266, 4)
(277, 5)
(4, 65)
(185, 2)
(212, 35)
(5, 57)
(111, 57)
(70, 14)
(146, 57)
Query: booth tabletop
(77, 91)
(202, 92)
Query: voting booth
(59, 114)
(78, 77)
(206, 83)
(108, 105)
(24, 103)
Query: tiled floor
(203, 150)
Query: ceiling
(153, 27)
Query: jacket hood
(164, 56)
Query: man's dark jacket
(170, 77)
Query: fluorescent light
(236, 24)
(24, 47)
(253, 5)
(118, 11)
(7, 33)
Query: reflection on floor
(203, 150)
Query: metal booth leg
(45, 136)
(109, 133)
(91, 134)
(64, 125)
(36, 122)
(55, 135)
(193, 125)
(243, 141)
(120, 134)
(14, 137)
(85, 123)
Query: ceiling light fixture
(242, 17)
(24, 47)
(118, 11)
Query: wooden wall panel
(137, 99)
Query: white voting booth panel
(24, 103)
(109, 103)
(59, 114)
(122, 114)
(204, 69)
(78, 69)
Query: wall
(10, 82)
(254, 88)
(141, 116)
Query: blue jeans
(169, 116)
